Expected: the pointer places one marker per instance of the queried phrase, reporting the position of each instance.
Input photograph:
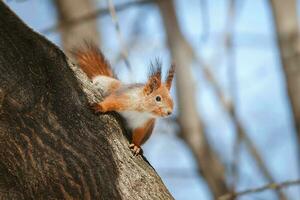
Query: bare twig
(234, 9)
(271, 186)
(115, 20)
(135, 32)
(97, 13)
(229, 49)
(232, 79)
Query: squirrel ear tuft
(170, 76)
(152, 85)
(155, 69)
(154, 80)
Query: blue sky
(263, 105)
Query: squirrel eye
(158, 98)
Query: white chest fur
(136, 119)
(103, 82)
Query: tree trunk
(51, 145)
(286, 23)
(192, 130)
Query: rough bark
(51, 145)
(192, 129)
(286, 23)
(72, 10)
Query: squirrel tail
(92, 61)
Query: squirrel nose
(169, 112)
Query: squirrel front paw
(136, 150)
(97, 108)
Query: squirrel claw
(136, 150)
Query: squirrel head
(157, 93)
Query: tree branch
(287, 34)
(271, 186)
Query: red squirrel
(139, 104)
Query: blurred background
(236, 124)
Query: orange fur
(92, 62)
(112, 103)
(141, 134)
(170, 76)
(152, 84)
